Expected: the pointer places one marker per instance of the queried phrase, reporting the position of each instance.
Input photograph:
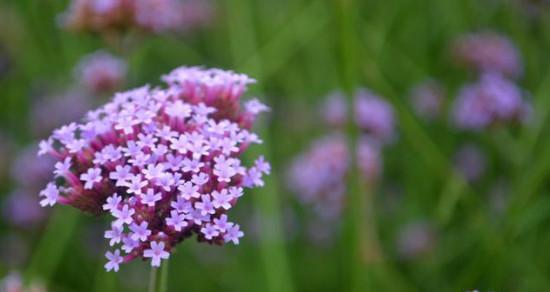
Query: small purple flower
(222, 199)
(150, 198)
(233, 234)
(50, 194)
(140, 232)
(123, 216)
(176, 220)
(156, 253)
(112, 203)
(115, 234)
(91, 177)
(222, 224)
(209, 231)
(114, 260)
(121, 175)
(205, 205)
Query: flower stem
(158, 278)
(153, 279)
(163, 281)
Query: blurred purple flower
(101, 72)
(374, 116)
(369, 159)
(13, 282)
(154, 16)
(335, 110)
(488, 51)
(50, 112)
(122, 160)
(21, 209)
(491, 100)
(30, 172)
(470, 162)
(427, 99)
(416, 239)
(318, 176)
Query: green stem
(163, 282)
(158, 278)
(153, 279)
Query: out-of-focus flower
(154, 16)
(50, 112)
(470, 162)
(14, 283)
(21, 208)
(374, 116)
(101, 72)
(335, 110)
(416, 239)
(172, 15)
(491, 100)
(30, 172)
(318, 176)
(164, 163)
(427, 99)
(488, 51)
(369, 159)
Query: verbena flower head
(491, 100)
(154, 16)
(369, 159)
(164, 163)
(101, 72)
(318, 176)
(374, 116)
(427, 99)
(335, 110)
(471, 162)
(488, 51)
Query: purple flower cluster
(488, 51)
(20, 207)
(374, 116)
(164, 163)
(493, 99)
(427, 99)
(318, 176)
(155, 16)
(101, 72)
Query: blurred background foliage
(299, 51)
